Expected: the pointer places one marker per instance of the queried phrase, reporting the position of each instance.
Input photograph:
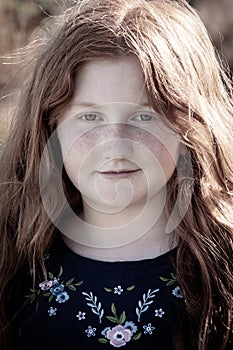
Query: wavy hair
(188, 84)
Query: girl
(116, 184)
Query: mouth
(119, 174)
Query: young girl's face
(109, 133)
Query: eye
(144, 117)
(90, 117)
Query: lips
(118, 173)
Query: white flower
(90, 331)
(159, 313)
(52, 311)
(118, 290)
(81, 315)
(148, 329)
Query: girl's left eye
(143, 117)
(89, 117)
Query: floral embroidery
(46, 285)
(159, 313)
(52, 288)
(95, 307)
(148, 329)
(81, 315)
(52, 311)
(177, 292)
(143, 306)
(169, 281)
(119, 335)
(118, 290)
(90, 331)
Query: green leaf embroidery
(122, 318)
(70, 281)
(72, 287)
(51, 276)
(137, 336)
(102, 340)
(60, 272)
(112, 319)
(130, 287)
(113, 309)
(78, 283)
(108, 289)
(50, 298)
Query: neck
(150, 243)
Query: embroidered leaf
(103, 340)
(60, 272)
(94, 311)
(140, 304)
(169, 283)
(47, 294)
(32, 298)
(144, 309)
(70, 281)
(50, 298)
(38, 292)
(108, 289)
(113, 309)
(72, 287)
(137, 336)
(51, 276)
(78, 283)
(164, 279)
(91, 305)
(137, 311)
(122, 318)
(130, 288)
(112, 319)
(148, 302)
(173, 275)
(144, 297)
(33, 290)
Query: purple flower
(46, 285)
(57, 289)
(62, 297)
(119, 335)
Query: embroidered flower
(81, 315)
(118, 336)
(46, 285)
(159, 313)
(62, 297)
(56, 280)
(131, 326)
(52, 311)
(148, 329)
(177, 292)
(57, 289)
(104, 331)
(118, 290)
(90, 331)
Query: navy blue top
(87, 303)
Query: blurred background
(18, 18)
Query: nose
(118, 143)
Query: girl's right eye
(90, 117)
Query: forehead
(110, 80)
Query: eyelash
(84, 117)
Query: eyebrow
(91, 104)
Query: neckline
(62, 251)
